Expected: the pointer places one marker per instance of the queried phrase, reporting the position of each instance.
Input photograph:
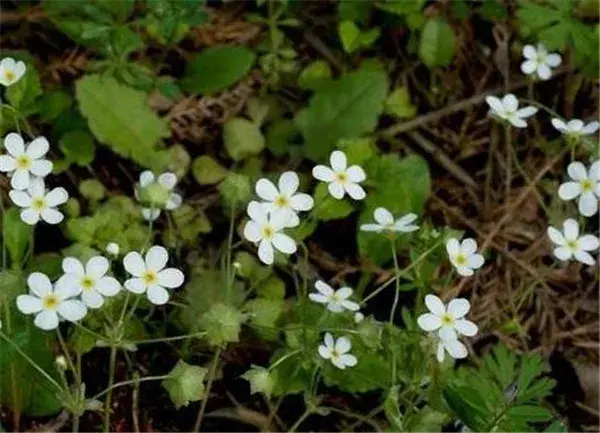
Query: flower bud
(61, 363)
(113, 249)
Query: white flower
(386, 223)
(336, 300)
(463, 256)
(569, 244)
(150, 274)
(49, 304)
(91, 281)
(11, 71)
(264, 229)
(575, 127)
(341, 178)
(284, 200)
(539, 61)
(158, 192)
(507, 109)
(337, 352)
(358, 317)
(453, 346)
(38, 203)
(113, 249)
(585, 184)
(447, 321)
(23, 161)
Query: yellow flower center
(9, 75)
(335, 354)
(461, 259)
(447, 319)
(587, 185)
(342, 177)
(572, 245)
(282, 201)
(150, 278)
(24, 162)
(87, 284)
(50, 302)
(38, 204)
(268, 232)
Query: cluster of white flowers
(157, 193)
(83, 287)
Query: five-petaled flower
(575, 127)
(539, 61)
(337, 351)
(341, 179)
(507, 109)
(336, 300)
(157, 193)
(11, 71)
(265, 229)
(50, 303)
(91, 281)
(38, 203)
(385, 222)
(463, 256)
(585, 184)
(284, 199)
(150, 275)
(449, 322)
(569, 244)
(24, 161)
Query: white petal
(46, 320)
(57, 197)
(72, 310)
(317, 297)
(14, 144)
(265, 252)
(41, 167)
(371, 228)
(466, 327)
(37, 187)
(338, 160)
(336, 190)
(146, 178)
(7, 163)
(343, 345)
(30, 216)
(329, 340)
(39, 284)
(528, 67)
(435, 305)
(257, 212)
(92, 299)
(457, 308)
(571, 229)
(323, 173)
(288, 183)
(510, 102)
(456, 349)
(8, 63)
(588, 242)
(475, 261)
(529, 52)
(383, 216)
(494, 103)
(134, 264)
(283, 218)
(355, 191)
(284, 243)
(594, 171)
(252, 231)
(577, 171)
(135, 285)
(167, 180)
(406, 219)
(559, 124)
(37, 148)
(157, 295)
(569, 190)
(97, 267)
(563, 253)
(156, 258)
(173, 202)
(356, 173)
(526, 112)
(348, 360)
(588, 204)
(324, 352)
(429, 322)
(574, 125)
(52, 216)
(28, 304)
(20, 179)
(544, 72)
(266, 190)
(20, 198)
(335, 307)
(452, 247)
(584, 258)
(108, 286)
(350, 306)
(68, 286)
(171, 278)
(447, 332)
(324, 288)
(19, 70)
(590, 128)
(556, 236)
(465, 271)
(468, 246)
(553, 60)
(344, 292)
(517, 122)
(302, 202)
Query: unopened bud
(113, 249)
(61, 363)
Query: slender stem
(78, 389)
(283, 358)
(211, 377)
(65, 350)
(13, 376)
(508, 180)
(302, 418)
(364, 419)
(125, 305)
(128, 382)
(393, 311)
(230, 274)
(164, 339)
(111, 381)
(89, 331)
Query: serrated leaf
(217, 68)
(346, 108)
(185, 383)
(120, 118)
(207, 171)
(437, 43)
(260, 380)
(222, 323)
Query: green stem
(356, 416)
(128, 382)
(230, 274)
(109, 388)
(211, 377)
(283, 358)
(393, 311)
(165, 339)
(65, 350)
(300, 420)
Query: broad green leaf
(185, 383)
(120, 118)
(359, 150)
(357, 11)
(207, 171)
(271, 288)
(92, 189)
(16, 236)
(437, 43)
(222, 323)
(217, 68)
(279, 135)
(530, 413)
(398, 104)
(330, 208)
(314, 75)
(264, 314)
(260, 380)
(242, 138)
(235, 190)
(78, 146)
(46, 263)
(11, 285)
(353, 39)
(346, 108)
(51, 104)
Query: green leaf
(92, 189)
(11, 285)
(217, 68)
(235, 190)
(188, 224)
(437, 43)
(185, 383)
(242, 138)
(222, 323)
(23, 94)
(120, 118)
(370, 373)
(260, 380)
(347, 108)
(207, 171)
(353, 38)
(16, 236)
(271, 288)
(51, 104)
(398, 104)
(257, 109)
(46, 263)
(78, 147)
(279, 135)
(391, 407)
(314, 75)
(330, 208)
(530, 413)
(264, 314)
